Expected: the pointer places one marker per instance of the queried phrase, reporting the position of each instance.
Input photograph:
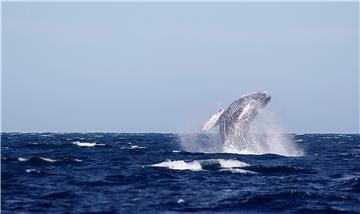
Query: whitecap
(180, 201)
(180, 165)
(32, 170)
(22, 159)
(137, 147)
(78, 160)
(176, 151)
(48, 159)
(84, 144)
(133, 147)
(47, 135)
(196, 165)
(231, 163)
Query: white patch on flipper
(213, 121)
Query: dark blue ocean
(151, 173)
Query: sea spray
(266, 135)
(205, 143)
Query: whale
(235, 120)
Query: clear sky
(165, 67)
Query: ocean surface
(153, 173)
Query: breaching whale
(236, 119)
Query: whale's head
(263, 97)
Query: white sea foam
(133, 147)
(22, 159)
(176, 151)
(137, 147)
(32, 170)
(180, 201)
(47, 135)
(84, 144)
(78, 160)
(48, 159)
(231, 163)
(180, 165)
(196, 165)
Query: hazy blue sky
(165, 67)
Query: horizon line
(102, 132)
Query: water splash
(265, 136)
(204, 143)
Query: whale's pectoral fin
(213, 121)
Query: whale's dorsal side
(214, 120)
(235, 121)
